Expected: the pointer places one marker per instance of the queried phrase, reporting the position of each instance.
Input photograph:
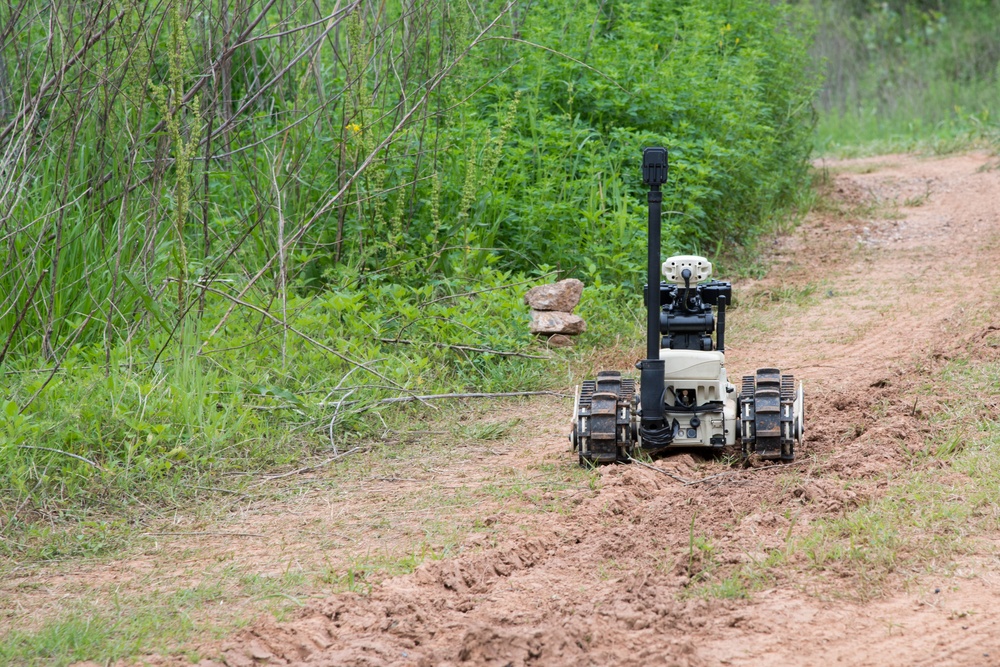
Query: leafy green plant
(232, 232)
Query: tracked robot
(684, 398)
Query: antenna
(654, 174)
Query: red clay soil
(862, 304)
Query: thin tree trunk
(4, 88)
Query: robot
(684, 398)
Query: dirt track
(862, 305)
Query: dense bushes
(554, 145)
(725, 88)
(204, 207)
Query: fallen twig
(361, 364)
(199, 534)
(59, 451)
(218, 490)
(333, 419)
(484, 290)
(566, 56)
(431, 397)
(721, 474)
(464, 348)
(692, 482)
(328, 461)
(672, 476)
(783, 466)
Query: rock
(560, 340)
(556, 322)
(561, 296)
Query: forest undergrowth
(230, 231)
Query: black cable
(653, 436)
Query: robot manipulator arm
(688, 323)
(687, 298)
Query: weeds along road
(877, 547)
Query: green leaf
(280, 393)
(148, 301)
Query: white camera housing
(701, 269)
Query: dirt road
(868, 300)
(883, 284)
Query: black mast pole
(654, 174)
(651, 164)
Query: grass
(793, 296)
(180, 434)
(901, 77)
(765, 309)
(849, 141)
(107, 625)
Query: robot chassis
(684, 398)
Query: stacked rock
(552, 311)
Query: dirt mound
(496, 606)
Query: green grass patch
(105, 445)
(104, 625)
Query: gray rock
(556, 322)
(561, 296)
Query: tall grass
(904, 73)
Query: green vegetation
(125, 631)
(108, 626)
(229, 230)
(907, 74)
